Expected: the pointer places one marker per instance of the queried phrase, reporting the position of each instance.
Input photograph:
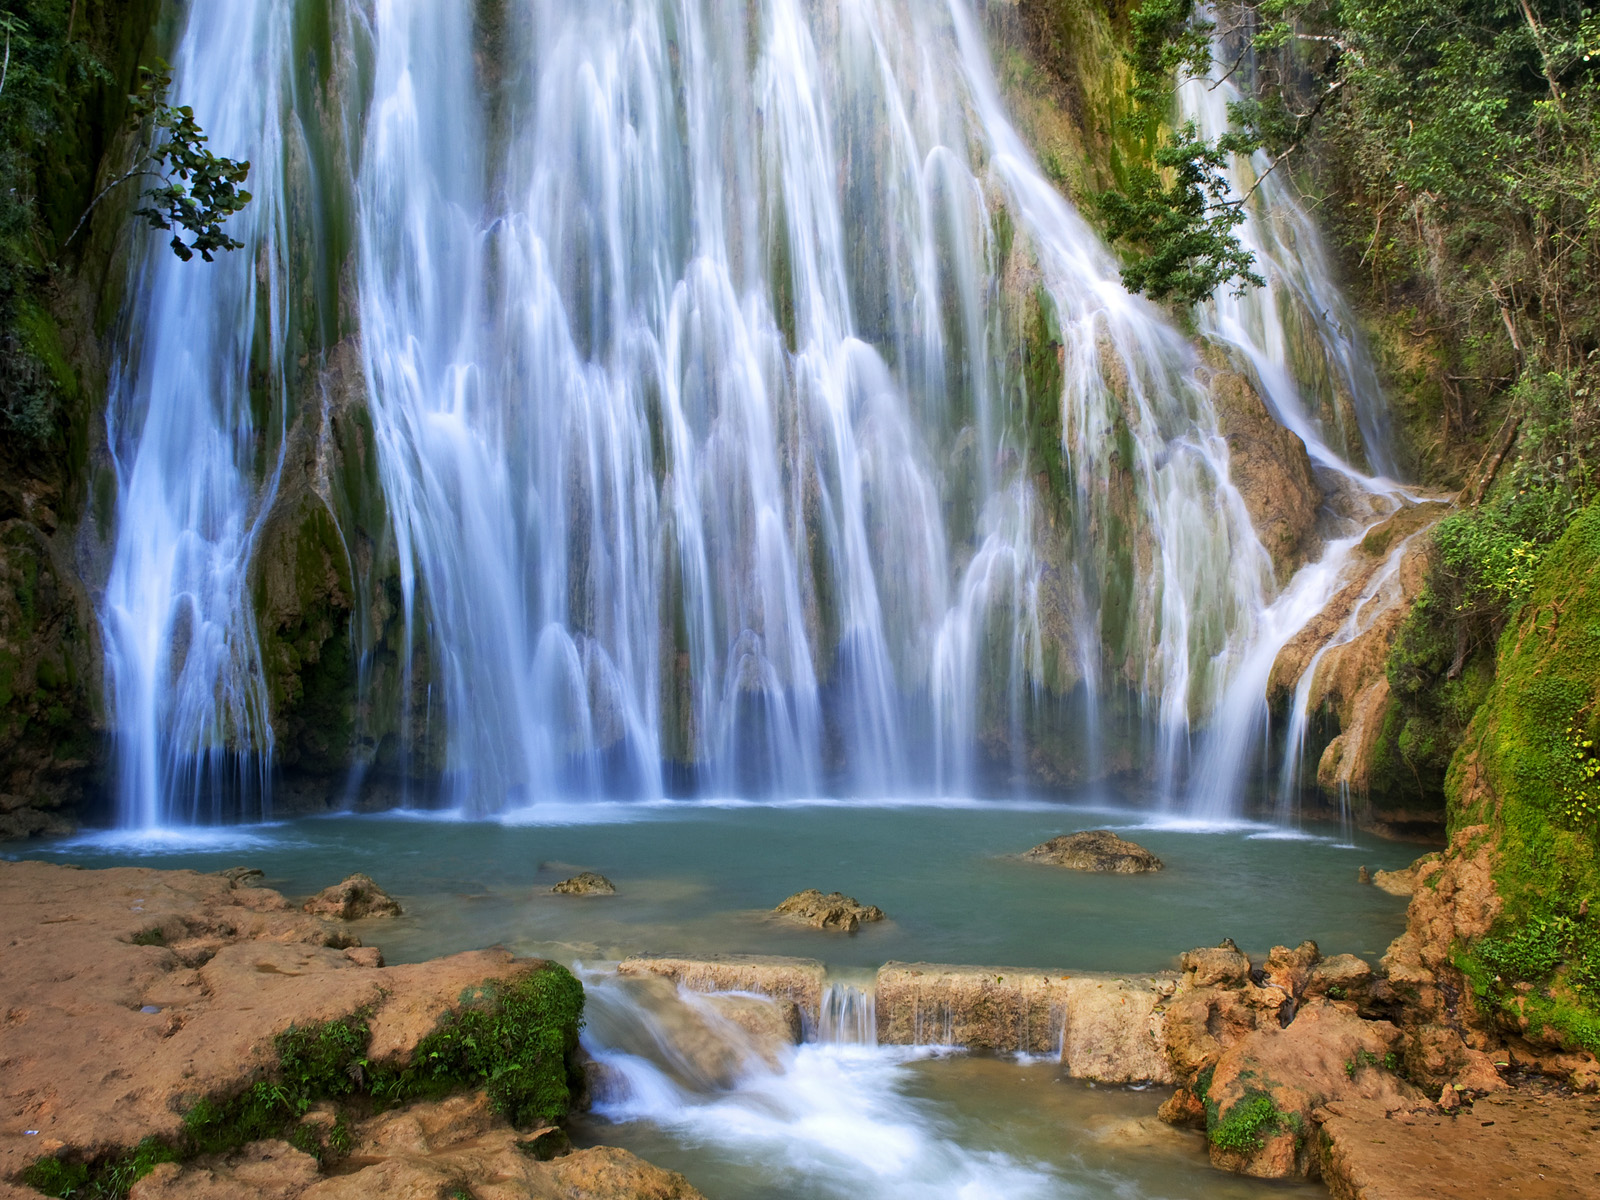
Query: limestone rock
(800, 981)
(1095, 850)
(1539, 1146)
(424, 1152)
(355, 899)
(270, 1170)
(1342, 977)
(1211, 965)
(107, 1035)
(1325, 1054)
(586, 883)
(1106, 1027)
(832, 911)
(1404, 881)
(1272, 471)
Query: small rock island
(1095, 850)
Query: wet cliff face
(66, 107)
(350, 669)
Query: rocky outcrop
(1404, 881)
(355, 899)
(1447, 1039)
(801, 981)
(832, 911)
(1095, 850)
(1263, 1092)
(585, 883)
(1258, 1050)
(141, 1004)
(456, 1147)
(1346, 647)
(1539, 1146)
(1105, 1027)
(1271, 470)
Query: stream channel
(838, 1116)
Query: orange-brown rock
(1326, 1053)
(127, 994)
(1542, 1147)
(355, 899)
(1271, 470)
(1447, 1039)
(422, 1152)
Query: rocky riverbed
(171, 1035)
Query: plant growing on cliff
(195, 190)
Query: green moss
(1521, 766)
(149, 937)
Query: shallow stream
(836, 1119)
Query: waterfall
(751, 415)
(195, 467)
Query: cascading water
(1297, 339)
(183, 672)
(751, 414)
(668, 407)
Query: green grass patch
(1243, 1128)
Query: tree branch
(104, 192)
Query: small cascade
(842, 1115)
(1379, 594)
(849, 1016)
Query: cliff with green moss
(1529, 773)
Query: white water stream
(696, 340)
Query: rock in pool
(833, 911)
(355, 898)
(586, 883)
(1095, 850)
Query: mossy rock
(1528, 770)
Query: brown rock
(1272, 471)
(264, 1170)
(1290, 970)
(353, 900)
(1325, 1054)
(1095, 850)
(585, 883)
(1105, 1027)
(91, 1069)
(1211, 965)
(1404, 881)
(1538, 1146)
(832, 911)
(800, 981)
(1342, 977)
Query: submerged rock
(353, 900)
(833, 911)
(1095, 850)
(586, 883)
